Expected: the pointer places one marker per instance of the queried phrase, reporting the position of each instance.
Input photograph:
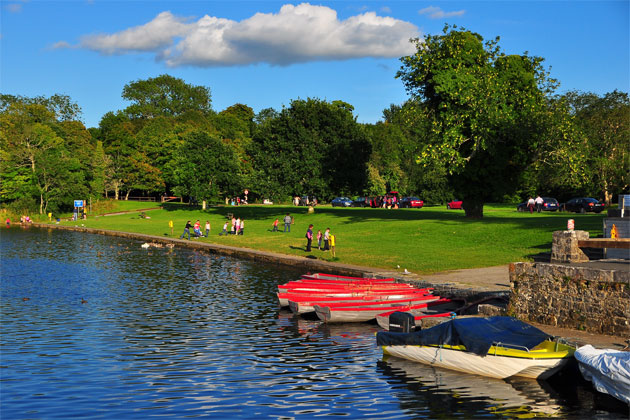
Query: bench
(620, 243)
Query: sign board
(78, 203)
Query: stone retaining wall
(576, 297)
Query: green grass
(428, 240)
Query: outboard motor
(401, 322)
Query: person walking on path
(287, 223)
(207, 228)
(309, 238)
(225, 232)
(331, 240)
(326, 239)
(275, 226)
(319, 240)
(186, 231)
(530, 205)
(539, 203)
(170, 224)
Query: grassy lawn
(426, 240)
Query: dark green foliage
(206, 169)
(487, 112)
(311, 148)
(165, 95)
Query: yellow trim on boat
(545, 350)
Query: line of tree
(480, 125)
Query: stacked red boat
(356, 299)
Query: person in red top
(275, 225)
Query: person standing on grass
(331, 240)
(186, 231)
(225, 232)
(309, 238)
(287, 223)
(207, 228)
(319, 240)
(241, 227)
(539, 203)
(275, 226)
(530, 205)
(170, 224)
(326, 239)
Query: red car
(454, 205)
(411, 202)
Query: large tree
(604, 153)
(206, 168)
(313, 147)
(487, 111)
(165, 95)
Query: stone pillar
(565, 246)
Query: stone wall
(577, 297)
(564, 247)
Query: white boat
(607, 369)
(368, 313)
(498, 347)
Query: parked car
(583, 205)
(411, 202)
(307, 200)
(454, 204)
(549, 204)
(361, 202)
(341, 202)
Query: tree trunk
(41, 203)
(473, 208)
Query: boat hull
(607, 369)
(305, 306)
(364, 314)
(494, 366)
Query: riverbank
(425, 241)
(469, 283)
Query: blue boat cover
(476, 334)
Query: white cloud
(435, 12)
(158, 33)
(295, 34)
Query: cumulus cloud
(295, 34)
(435, 12)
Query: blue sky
(266, 53)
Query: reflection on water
(98, 327)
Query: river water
(98, 327)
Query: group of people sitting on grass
(196, 230)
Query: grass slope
(426, 240)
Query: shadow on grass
(551, 221)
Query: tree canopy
(487, 111)
(165, 95)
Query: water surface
(98, 327)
